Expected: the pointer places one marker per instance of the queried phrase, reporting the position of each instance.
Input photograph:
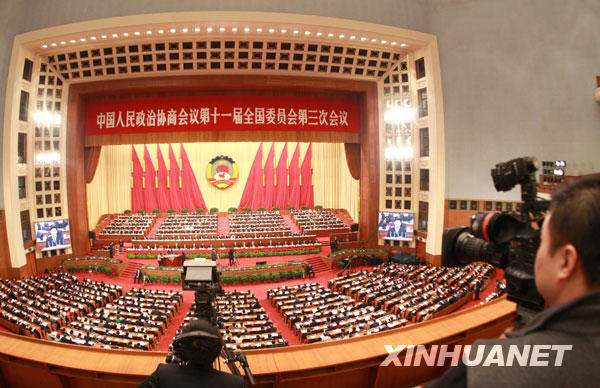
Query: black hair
(201, 350)
(575, 220)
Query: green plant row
(84, 268)
(164, 279)
(238, 254)
(264, 277)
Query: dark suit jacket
(175, 376)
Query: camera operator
(567, 275)
(198, 353)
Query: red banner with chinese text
(222, 113)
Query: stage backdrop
(110, 190)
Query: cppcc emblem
(222, 172)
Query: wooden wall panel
(5, 263)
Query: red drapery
(174, 182)
(294, 179)
(269, 179)
(307, 195)
(281, 176)
(137, 179)
(253, 183)
(192, 195)
(150, 183)
(162, 175)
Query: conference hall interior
(312, 168)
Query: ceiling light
(246, 29)
(352, 37)
(149, 32)
(44, 46)
(161, 31)
(222, 29)
(197, 29)
(373, 40)
(363, 38)
(92, 38)
(63, 42)
(384, 41)
(402, 44)
(234, 29)
(72, 41)
(341, 36)
(53, 44)
(393, 43)
(137, 33)
(103, 36)
(184, 30)
(330, 35)
(209, 29)
(126, 34)
(271, 30)
(259, 30)
(319, 33)
(172, 30)
(306, 32)
(296, 31)
(283, 31)
(83, 39)
(115, 35)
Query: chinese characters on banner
(222, 113)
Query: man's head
(201, 348)
(567, 263)
(397, 223)
(53, 233)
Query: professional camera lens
(495, 227)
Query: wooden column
(369, 165)
(76, 187)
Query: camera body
(508, 240)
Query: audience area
(311, 221)
(128, 225)
(136, 320)
(242, 322)
(317, 314)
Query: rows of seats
(135, 320)
(252, 223)
(129, 225)
(188, 224)
(260, 242)
(40, 305)
(317, 314)
(413, 292)
(316, 220)
(242, 322)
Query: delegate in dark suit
(176, 376)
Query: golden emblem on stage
(222, 172)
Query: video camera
(202, 277)
(506, 240)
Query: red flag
(281, 192)
(150, 202)
(307, 195)
(253, 183)
(137, 179)
(162, 175)
(269, 179)
(294, 183)
(192, 195)
(173, 182)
